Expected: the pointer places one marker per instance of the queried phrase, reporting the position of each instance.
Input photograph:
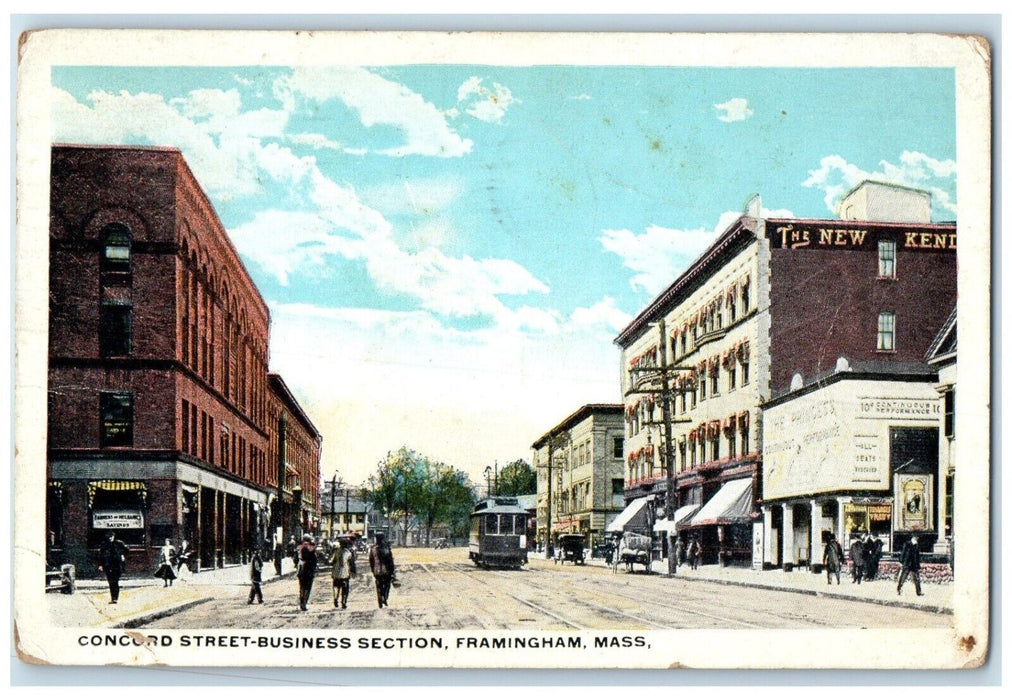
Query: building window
(950, 413)
(702, 387)
(744, 298)
(115, 329)
(732, 377)
(732, 308)
(887, 331)
(886, 258)
(744, 438)
(714, 381)
(617, 446)
(715, 447)
(617, 487)
(732, 447)
(117, 416)
(744, 372)
(685, 343)
(115, 249)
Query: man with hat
(342, 567)
(306, 557)
(381, 561)
(910, 560)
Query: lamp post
(333, 491)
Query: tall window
(744, 298)
(617, 445)
(715, 446)
(702, 387)
(886, 258)
(115, 329)
(887, 331)
(950, 413)
(732, 376)
(715, 380)
(116, 411)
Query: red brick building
(772, 307)
(163, 419)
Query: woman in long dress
(165, 556)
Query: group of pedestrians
(343, 567)
(865, 556)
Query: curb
(826, 594)
(150, 617)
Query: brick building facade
(771, 306)
(162, 418)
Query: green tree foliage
(516, 479)
(408, 486)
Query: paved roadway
(441, 589)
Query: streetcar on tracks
(498, 534)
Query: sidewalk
(143, 600)
(936, 598)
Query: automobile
(570, 548)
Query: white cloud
(734, 110)
(604, 314)
(835, 176)
(317, 141)
(485, 104)
(581, 96)
(419, 372)
(377, 100)
(657, 255)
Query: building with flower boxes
(163, 421)
(769, 308)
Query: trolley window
(520, 525)
(491, 524)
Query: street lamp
(488, 481)
(333, 493)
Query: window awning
(634, 515)
(731, 504)
(682, 516)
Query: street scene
(505, 347)
(441, 589)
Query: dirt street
(442, 589)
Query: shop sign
(117, 520)
(900, 409)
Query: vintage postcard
(615, 351)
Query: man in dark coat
(910, 561)
(381, 561)
(112, 556)
(832, 556)
(857, 559)
(872, 555)
(306, 557)
(256, 567)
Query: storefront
(853, 455)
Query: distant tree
(516, 479)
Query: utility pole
(669, 460)
(347, 495)
(333, 490)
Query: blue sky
(449, 251)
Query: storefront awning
(682, 516)
(634, 515)
(731, 504)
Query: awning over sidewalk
(634, 515)
(682, 516)
(731, 504)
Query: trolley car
(498, 534)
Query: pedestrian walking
(112, 557)
(279, 555)
(183, 557)
(256, 568)
(166, 558)
(381, 562)
(857, 559)
(305, 555)
(342, 569)
(695, 553)
(832, 557)
(910, 563)
(293, 552)
(873, 554)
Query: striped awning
(115, 485)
